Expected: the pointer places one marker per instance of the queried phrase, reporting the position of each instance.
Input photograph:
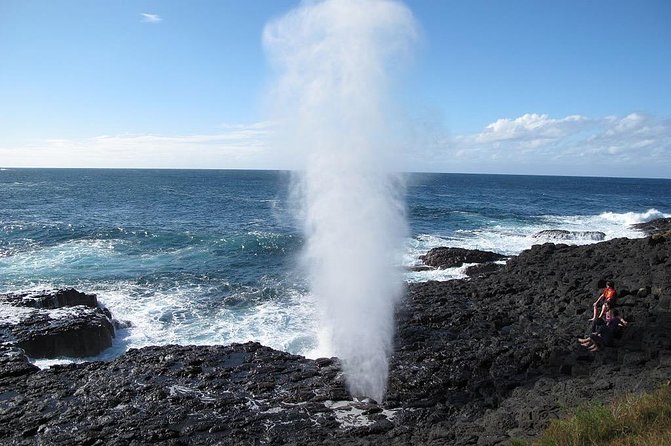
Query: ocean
(212, 256)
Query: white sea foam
(174, 316)
(10, 314)
(614, 225)
(351, 414)
(630, 218)
(46, 363)
(158, 314)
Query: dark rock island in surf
(444, 257)
(62, 323)
(477, 361)
(562, 234)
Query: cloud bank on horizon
(635, 145)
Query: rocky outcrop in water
(53, 324)
(658, 226)
(477, 362)
(443, 257)
(562, 234)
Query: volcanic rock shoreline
(478, 361)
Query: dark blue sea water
(199, 256)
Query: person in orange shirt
(608, 297)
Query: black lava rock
(444, 257)
(657, 226)
(562, 234)
(54, 324)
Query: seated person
(604, 333)
(608, 297)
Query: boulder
(14, 363)
(443, 257)
(55, 324)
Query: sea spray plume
(334, 60)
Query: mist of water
(335, 61)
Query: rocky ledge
(659, 226)
(562, 234)
(52, 324)
(477, 361)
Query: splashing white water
(334, 59)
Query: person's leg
(596, 323)
(596, 305)
(604, 308)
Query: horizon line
(7, 168)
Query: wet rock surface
(54, 324)
(443, 257)
(562, 234)
(477, 361)
(658, 226)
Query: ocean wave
(631, 218)
(71, 255)
(191, 314)
(211, 312)
(613, 224)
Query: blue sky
(576, 87)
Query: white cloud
(529, 127)
(239, 147)
(151, 18)
(633, 145)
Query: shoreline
(479, 361)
